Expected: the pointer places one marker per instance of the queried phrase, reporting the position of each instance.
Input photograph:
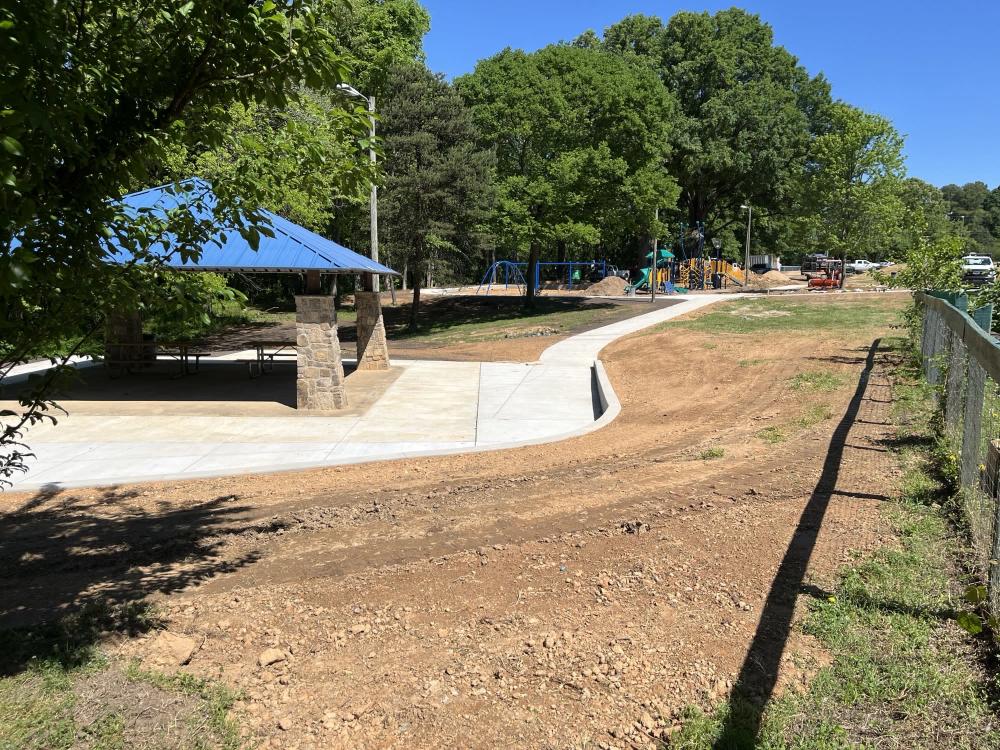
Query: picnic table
(266, 353)
(145, 354)
(183, 351)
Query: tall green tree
(749, 110)
(437, 183)
(96, 97)
(377, 36)
(581, 139)
(975, 210)
(374, 37)
(855, 182)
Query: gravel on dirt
(579, 595)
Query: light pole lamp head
(744, 206)
(716, 243)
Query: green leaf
(11, 145)
(975, 594)
(970, 622)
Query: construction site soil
(580, 594)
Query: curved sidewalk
(432, 408)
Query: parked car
(978, 270)
(860, 266)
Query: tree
(302, 158)
(748, 110)
(924, 218)
(377, 36)
(853, 184)
(437, 189)
(976, 211)
(97, 96)
(374, 36)
(581, 137)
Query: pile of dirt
(610, 286)
(768, 280)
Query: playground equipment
(673, 274)
(508, 270)
(518, 269)
(662, 276)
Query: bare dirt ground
(579, 594)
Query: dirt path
(574, 595)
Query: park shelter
(293, 250)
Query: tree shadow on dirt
(438, 315)
(63, 557)
(759, 674)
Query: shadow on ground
(758, 676)
(61, 556)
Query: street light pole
(654, 275)
(746, 267)
(373, 197)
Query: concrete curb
(606, 396)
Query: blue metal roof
(293, 249)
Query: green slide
(643, 280)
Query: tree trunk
(533, 253)
(561, 251)
(415, 306)
(406, 263)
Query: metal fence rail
(961, 357)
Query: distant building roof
(293, 249)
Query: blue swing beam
(510, 267)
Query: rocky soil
(576, 595)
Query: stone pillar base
(373, 351)
(320, 379)
(123, 337)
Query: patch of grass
(58, 691)
(216, 700)
(820, 380)
(772, 435)
(452, 320)
(710, 453)
(813, 415)
(903, 674)
(709, 345)
(775, 315)
(751, 362)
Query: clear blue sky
(932, 68)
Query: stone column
(373, 351)
(123, 337)
(320, 382)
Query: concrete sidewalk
(432, 408)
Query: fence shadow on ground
(758, 675)
(61, 555)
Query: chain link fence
(961, 358)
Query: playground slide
(643, 280)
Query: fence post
(975, 392)
(984, 317)
(954, 388)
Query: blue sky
(932, 68)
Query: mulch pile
(768, 280)
(610, 286)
